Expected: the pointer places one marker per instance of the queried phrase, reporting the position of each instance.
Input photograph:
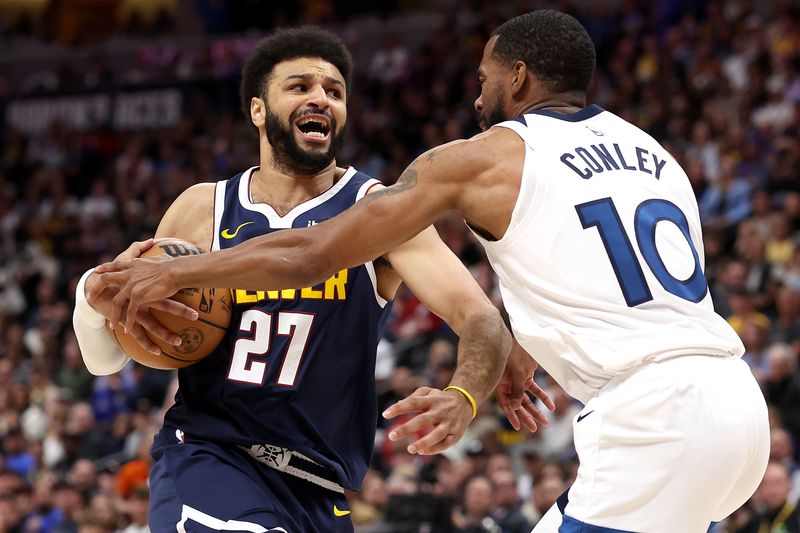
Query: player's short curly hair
(286, 44)
(552, 44)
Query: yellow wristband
(468, 396)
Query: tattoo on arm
(406, 181)
(431, 155)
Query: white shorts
(670, 448)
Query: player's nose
(318, 97)
(478, 104)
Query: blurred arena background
(112, 107)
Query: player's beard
(289, 156)
(494, 114)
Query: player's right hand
(441, 417)
(101, 301)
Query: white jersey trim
(283, 222)
(373, 277)
(195, 515)
(516, 126)
(219, 209)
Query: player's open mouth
(314, 128)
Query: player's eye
(298, 87)
(335, 93)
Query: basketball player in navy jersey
(594, 232)
(268, 431)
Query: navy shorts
(200, 486)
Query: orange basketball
(201, 336)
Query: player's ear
(258, 112)
(520, 73)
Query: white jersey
(601, 268)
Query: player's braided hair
(552, 44)
(286, 44)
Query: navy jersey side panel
(296, 368)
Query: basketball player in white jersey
(593, 230)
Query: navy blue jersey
(296, 368)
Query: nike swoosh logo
(337, 512)
(226, 233)
(581, 417)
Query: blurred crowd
(718, 83)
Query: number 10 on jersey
(603, 214)
(258, 323)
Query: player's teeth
(317, 134)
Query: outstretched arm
(477, 178)
(429, 187)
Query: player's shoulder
(198, 191)
(190, 215)
(475, 146)
(464, 160)
(201, 195)
(198, 197)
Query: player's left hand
(443, 416)
(137, 282)
(516, 392)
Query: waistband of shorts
(295, 464)
(279, 458)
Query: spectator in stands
(473, 514)
(782, 386)
(786, 326)
(69, 504)
(17, 458)
(73, 377)
(135, 473)
(776, 513)
(10, 515)
(545, 493)
(83, 477)
(507, 504)
(93, 523)
(555, 444)
(136, 508)
(369, 506)
(781, 450)
(754, 337)
(744, 313)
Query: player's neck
(284, 190)
(560, 103)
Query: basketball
(201, 336)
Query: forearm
(483, 349)
(280, 260)
(295, 258)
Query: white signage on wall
(122, 111)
